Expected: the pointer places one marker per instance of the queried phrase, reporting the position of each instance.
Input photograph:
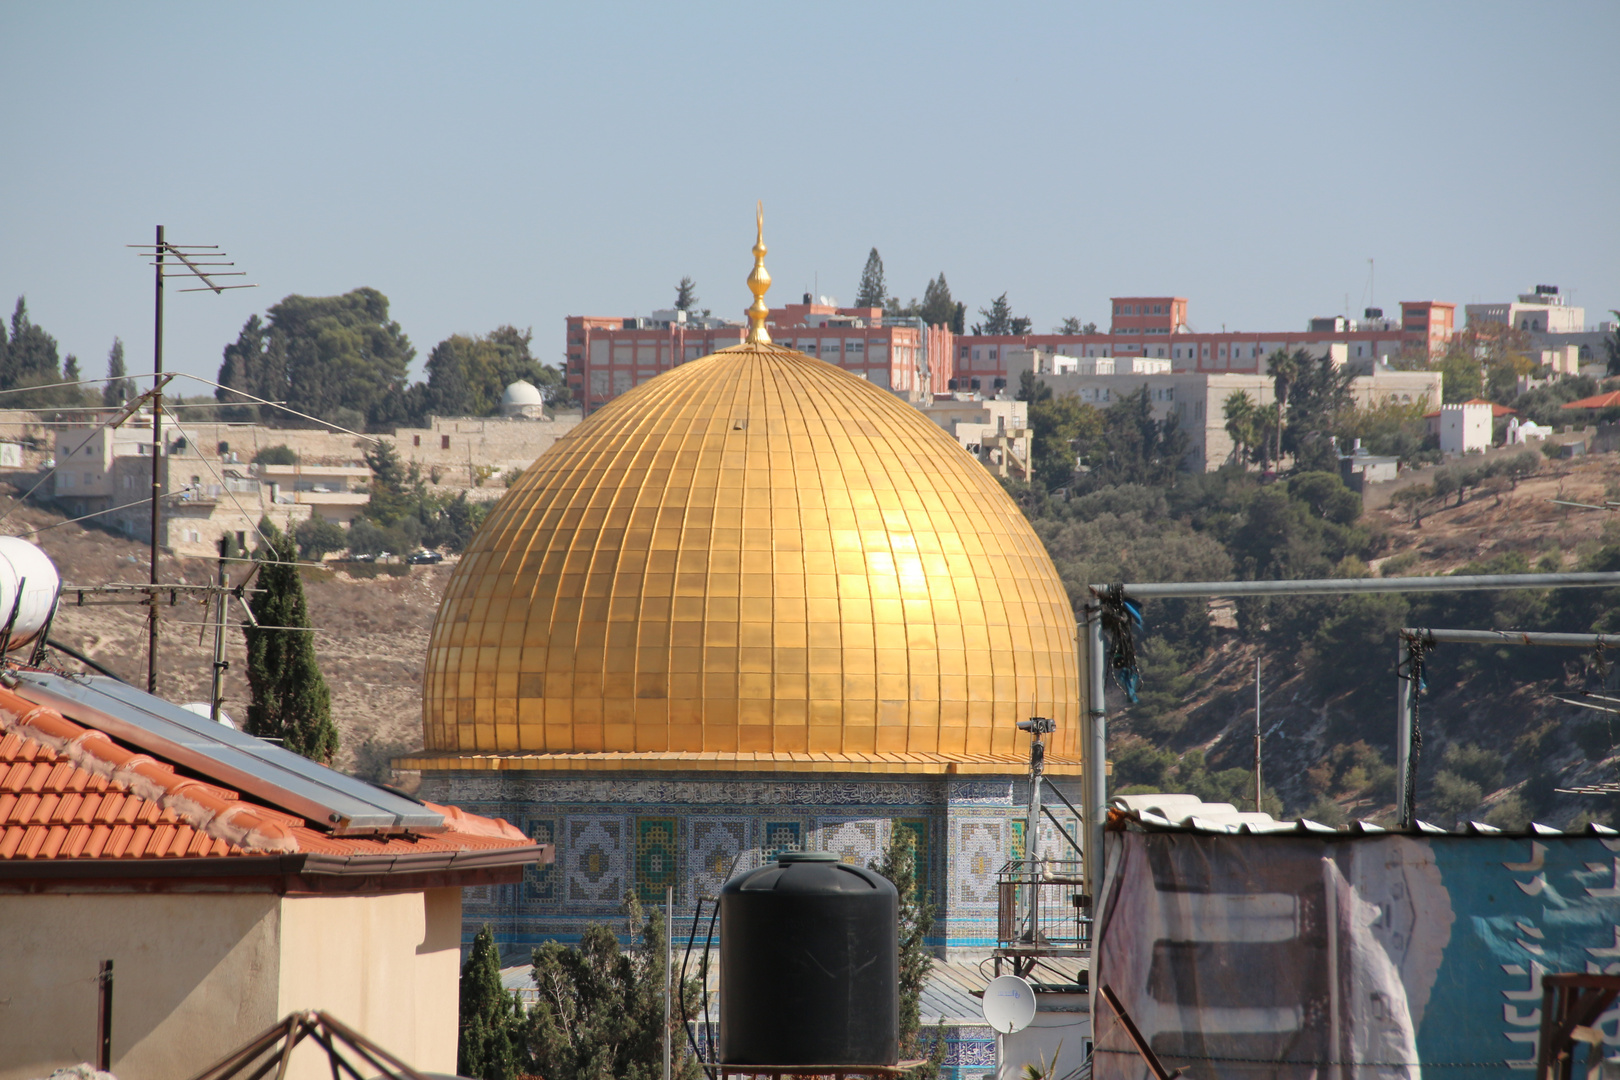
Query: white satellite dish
(206, 711)
(1009, 1003)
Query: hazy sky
(516, 163)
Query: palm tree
(1239, 411)
(1284, 368)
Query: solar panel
(279, 777)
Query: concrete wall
(195, 975)
(388, 966)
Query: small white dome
(522, 393)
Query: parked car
(425, 558)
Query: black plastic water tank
(809, 964)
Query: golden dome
(754, 561)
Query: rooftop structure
(1541, 311)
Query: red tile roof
(71, 792)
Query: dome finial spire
(758, 282)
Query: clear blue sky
(515, 163)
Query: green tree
(999, 320)
(686, 294)
(468, 375)
(899, 865)
(118, 388)
(290, 699)
(279, 454)
(600, 1013)
(1133, 447)
(872, 292)
(1284, 368)
(1460, 377)
(318, 537)
(30, 359)
(339, 358)
(959, 318)
(937, 307)
(1241, 422)
(490, 1030)
(1059, 426)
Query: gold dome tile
(755, 560)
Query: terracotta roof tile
(71, 792)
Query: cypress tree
(489, 1015)
(872, 291)
(899, 865)
(116, 390)
(291, 701)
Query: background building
(1198, 399)
(1156, 327)
(608, 356)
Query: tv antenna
(198, 262)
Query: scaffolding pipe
(1095, 751)
(1509, 637)
(1166, 590)
(1403, 734)
(1094, 761)
(1405, 802)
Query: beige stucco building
(227, 881)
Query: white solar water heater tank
(24, 566)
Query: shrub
(1595, 739)
(1475, 763)
(1453, 797)
(276, 455)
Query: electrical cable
(283, 408)
(85, 660)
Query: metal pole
(1094, 803)
(1511, 637)
(1258, 789)
(669, 926)
(1329, 586)
(217, 697)
(104, 1017)
(1403, 734)
(157, 454)
(1032, 834)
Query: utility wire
(98, 513)
(283, 408)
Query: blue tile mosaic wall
(621, 835)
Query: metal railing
(1062, 909)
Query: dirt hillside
(371, 641)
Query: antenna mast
(190, 261)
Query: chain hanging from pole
(1413, 670)
(1121, 619)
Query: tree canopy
(468, 375)
(872, 292)
(999, 321)
(686, 297)
(29, 359)
(340, 358)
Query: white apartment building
(994, 430)
(1543, 311)
(1198, 399)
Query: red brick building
(607, 356)
(1156, 326)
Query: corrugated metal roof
(263, 770)
(1188, 813)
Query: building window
(416, 440)
(444, 442)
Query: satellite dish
(1009, 1003)
(206, 711)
